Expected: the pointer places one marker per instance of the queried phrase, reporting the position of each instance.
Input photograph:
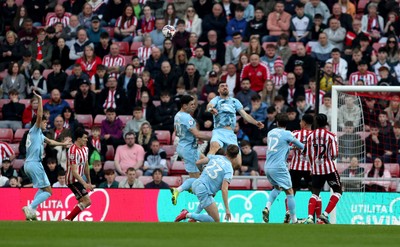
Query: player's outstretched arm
(250, 119)
(39, 114)
(298, 144)
(67, 142)
(224, 190)
(199, 134)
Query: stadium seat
(119, 178)
(89, 131)
(71, 103)
(377, 45)
(110, 31)
(145, 179)
(393, 186)
(26, 102)
(46, 73)
(134, 47)
(361, 6)
(264, 184)
(261, 164)
(18, 163)
(240, 184)
(18, 135)
(6, 135)
(125, 118)
(85, 119)
(163, 136)
(15, 148)
(172, 181)
(19, 2)
(156, 103)
(128, 59)
(261, 151)
(109, 165)
(177, 168)
(98, 119)
(169, 149)
(3, 74)
(110, 152)
(123, 47)
(393, 169)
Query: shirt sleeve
(238, 105)
(71, 155)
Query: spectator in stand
(144, 51)
(41, 49)
(211, 86)
(6, 151)
(155, 158)
(279, 78)
(385, 127)
(145, 136)
(129, 155)
(326, 108)
(27, 65)
(77, 49)
(369, 78)
(70, 121)
(392, 154)
(233, 50)
(86, 15)
(374, 143)
(278, 22)
(153, 64)
(135, 92)
(353, 37)
(353, 171)
(301, 58)
(99, 80)
(113, 97)
(258, 109)
(6, 168)
(110, 182)
(56, 79)
(125, 26)
(61, 54)
(269, 123)
(205, 118)
(317, 7)
(257, 73)
(356, 57)
(302, 107)
(270, 57)
(215, 48)
(291, 90)
(386, 78)
(268, 93)
(111, 128)
(165, 112)
(371, 112)
(14, 81)
(322, 50)
(3, 181)
(146, 24)
(372, 23)
(392, 25)
(52, 169)
(246, 93)
(351, 144)
(26, 33)
(192, 21)
(60, 134)
(59, 15)
(97, 144)
(89, 61)
(166, 80)
(135, 123)
(338, 63)
(249, 160)
(232, 78)
(349, 112)
(393, 110)
(310, 95)
(170, 17)
(191, 79)
(392, 48)
(148, 107)
(73, 82)
(36, 83)
(237, 24)
(29, 112)
(11, 50)
(99, 7)
(60, 180)
(255, 47)
(335, 33)
(256, 27)
(381, 62)
(202, 63)
(37, 11)
(345, 19)
(377, 171)
(73, 6)
(214, 21)
(138, 68)
(294, 122)
(103, 48)
(156, 35)
(192, 44)
(131, 181)
(8, 11)
(128, 80)
(328, 77)
(244, 59)
(368, 52)
(317, 27)
(157, 182)
(12, 112)
(85, 99)
(70, 32)
(55, 105)
(97, 175)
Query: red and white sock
(311, 205)
(77, 209)
(318, 207)
(332, 203)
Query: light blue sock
(292, 207)
(186, 185)
(202, 217)
(199, 209)
(40, 197)
(272, 196)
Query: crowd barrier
(142, 205)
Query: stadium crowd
(106, 66)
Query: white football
(168, 31)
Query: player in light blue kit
(186, 130)
(224, 109)
(276, 167)
(216, 176)
(33, 166)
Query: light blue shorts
(200, 190)
(279, 177)
(189, 156)
(36, 173)
(224, 137)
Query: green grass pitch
(77, 234)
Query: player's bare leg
(41, 195)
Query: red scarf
(39, 51)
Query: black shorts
(78, 190)
(297, 183)
(333, 180)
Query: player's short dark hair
(232, 151)
(244, 143)
(282, 119)
(186, 99)
(79, 133)
(321, 120)
(308, 119)
(155, 171)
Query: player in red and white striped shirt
(322, 151)
(59, 16)
(369, 78)
(77, 166)
(114, 61)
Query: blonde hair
(144, 138)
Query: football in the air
(168, 31)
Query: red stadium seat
(377, 45)
(123, 47)
(3, 74)
(110, 152)
(261, 151)
(46, 73)
(240, 184)
(135, 46)
(71, 103)
(98, 119)
(26, 102)
(18, 135)
(128, 59)
(169, 149)
(119, 178)
(393, 187)
(19, 2)
(163, 136)
(361, 6)
(18, 163)
(110, 31)
(156, 103)
(109, 165)
(125, 118)
(15, 148)
(6, 135)
(145, 179)
(85, 119)
(261, 164)
(172, 181)
(264, 184)
(177, 168)
(393, 169)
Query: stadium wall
(130, 205)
